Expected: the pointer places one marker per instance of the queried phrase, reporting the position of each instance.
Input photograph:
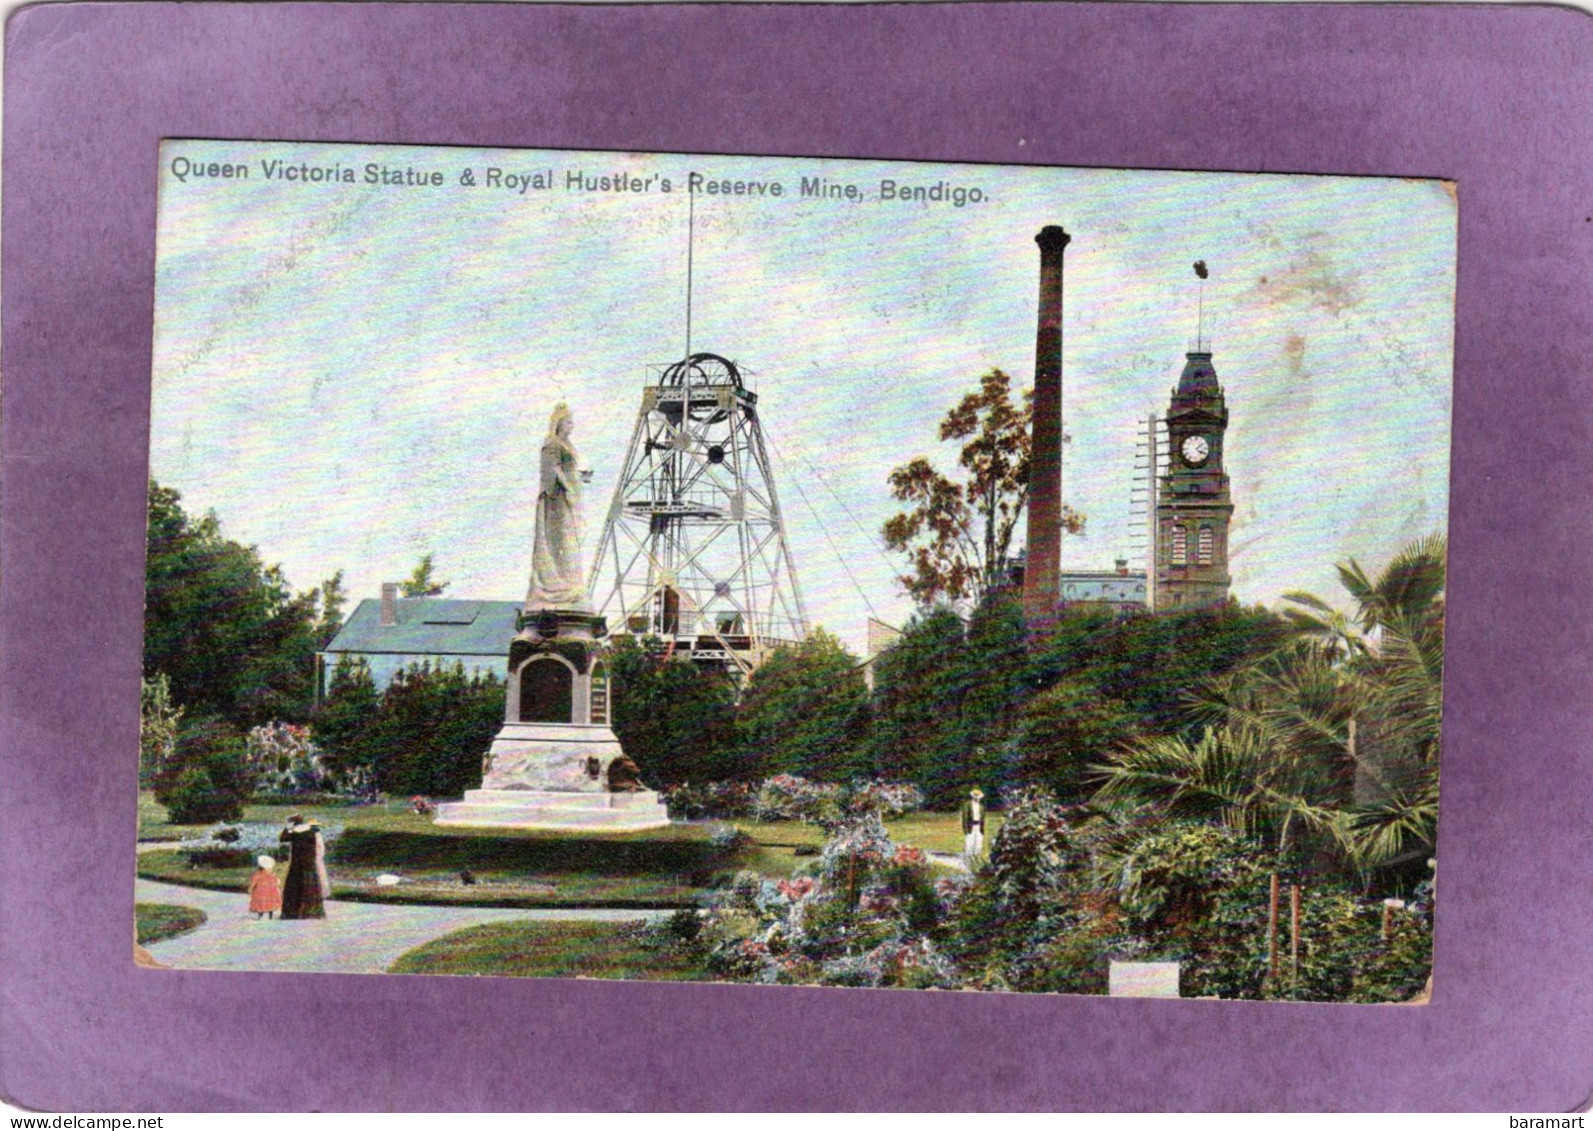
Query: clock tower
(1193, 507)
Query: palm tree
(1395, 666)
(1410, 588)
(1335, 733)
(1232, 776)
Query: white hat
(266, 861)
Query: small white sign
(1143, 979)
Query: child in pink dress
(265, 897)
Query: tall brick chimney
(1041, 587)
(389, 604)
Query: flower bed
(239, 845)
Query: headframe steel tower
(694, 549)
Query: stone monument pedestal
(554, 776)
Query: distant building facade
(880, 637)
(395, 632)
(1122, 589)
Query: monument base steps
(546, 809)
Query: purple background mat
(1499, 99)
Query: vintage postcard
(795, 571)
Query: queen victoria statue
(558, 577)
(556, 762)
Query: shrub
(220, 858)
(724, 800)
(1200, 894)
(208, 778)
(1020, 897)
(888, 799)
(431, 730)
(1077, 958)
(237, 846)
(683, 926)
(285, 761)
(1398, 969)
(787, 797)
(728, 838)
(860, 916)
(1063, 730)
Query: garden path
(354, 938)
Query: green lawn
(152, 822)
(157, 921)
(552, 950)
(668, 867)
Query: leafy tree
(674, 719)
(957, 532)
(333, 599)
(805, 711)
(911, 681)
(957, 705)
(994, 679)
(275, 680)
(225, 629)
(422, 583)
(1151, 663)
(343, 719)
(160, 722)
(1064, 730)
(209, 778)
(432, 730)
(946, 695)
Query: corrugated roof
(430, 625)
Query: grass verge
(552, 950)
(158, 921)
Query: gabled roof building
(399, 632)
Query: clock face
(1195, 449)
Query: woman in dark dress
(306, 885)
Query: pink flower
(796, 889)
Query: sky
(352, 375)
